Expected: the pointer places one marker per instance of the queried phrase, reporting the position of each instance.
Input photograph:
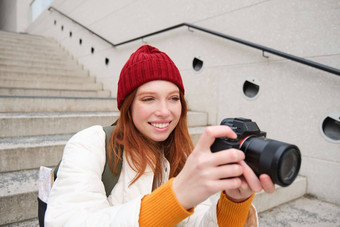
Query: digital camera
(281, 161)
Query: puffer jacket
(78, 195)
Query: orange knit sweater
(161, 208)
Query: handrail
(241, 41)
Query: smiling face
(156, 109)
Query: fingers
(251, 178)
(212, 132)
(228, 156)
(227, 171)
(257, 184)
(267, 184)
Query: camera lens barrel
(281, 161)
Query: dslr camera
(281, 161)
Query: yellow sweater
(161, 208)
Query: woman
(164, 181)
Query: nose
(163, 109)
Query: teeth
(163, 125)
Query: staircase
(46, 97)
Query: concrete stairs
(46, 97)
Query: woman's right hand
(205, 173)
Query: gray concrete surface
(305, 211)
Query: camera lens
(288, 165)
(281, 161)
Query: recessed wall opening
(62, 27)
(331, 127)
(70, 34)
(92, 50)
(80, 41)
(251, 88)
(197, 64)
(107, 61)
(55, 22)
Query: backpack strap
(108, 178)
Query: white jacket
(78, 195)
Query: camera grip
(223, 143)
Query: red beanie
(146, 64)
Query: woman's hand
(206, 173)
(250, 183)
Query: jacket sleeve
(78, 196)
(206, 215)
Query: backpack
(108, 178)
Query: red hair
(143, 152)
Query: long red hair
(141, 151)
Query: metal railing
(228, 37)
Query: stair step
(9, 83)
(27, 223)
(56, 104)
(50, 85)
(11, 41)
(12, 62)
(38, 50)
(27, 41)
(264, 201)
(18, 196)
(58, 56)
(35, 124)
(53, 92)
(31, 152)
(24, 36)
(29, 61)
(12, 74)
(42, 69)
(45, 78)
(20, 48)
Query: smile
(160, 125)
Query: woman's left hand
(250, 183)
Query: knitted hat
(146, 64)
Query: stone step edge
(29, 62)
(26, 181)
(55, 92)
(46, 84)
(15, 62)
(22, 34)
(56, 97)
(31, 175)
(57, 139)
(34, 222)
(84, 74)
(47, 78)
(52, 89)
(264, 201)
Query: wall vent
(197, 64)
(251, 88)
(330, 127)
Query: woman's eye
(176, 98)
(147, 99)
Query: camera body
(281, 161)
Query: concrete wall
(293, 99)
(14, 15)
